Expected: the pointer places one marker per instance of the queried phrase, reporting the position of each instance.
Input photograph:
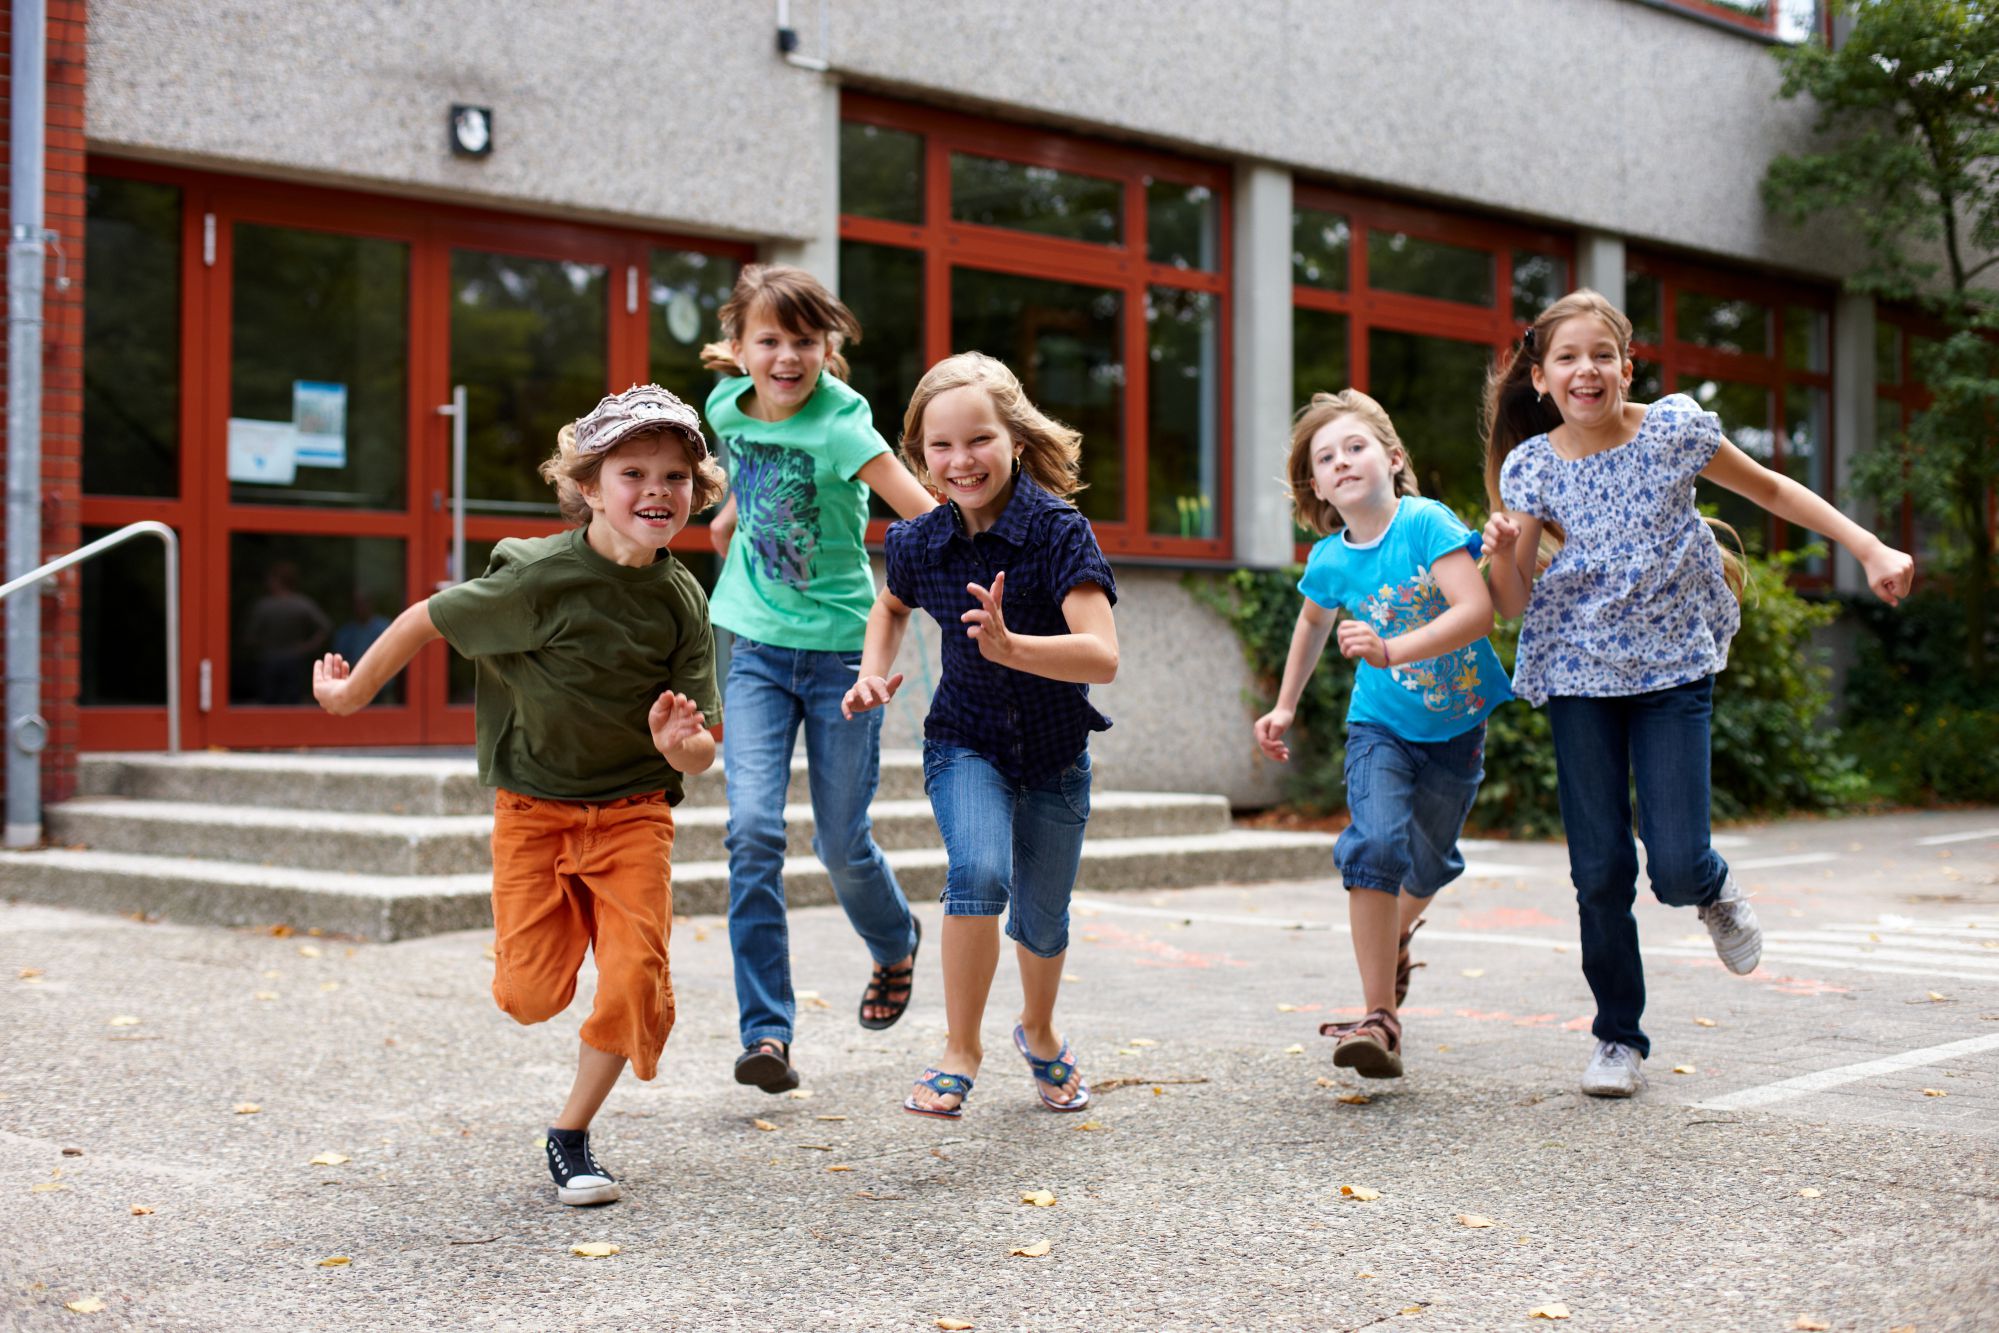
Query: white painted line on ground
(1772, 862)
(1729, 840)
(1095, 904)
(1972, 836)
(1779, 958)
(1806, 1084)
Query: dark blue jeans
(1660, 740)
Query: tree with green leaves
(1908, 156)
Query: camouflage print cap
(639, 409)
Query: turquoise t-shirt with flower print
(1389, 583)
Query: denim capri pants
(1408, 801)
(1013, 847)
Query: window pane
(1647, 384)
(124, 623)
(1043, 200)
(1182, 413)
(294, 597)
(1065, 342)
(686, 290)
(1722, 322)
(1538, 281)
(1321, 243)
(1432, 388)
(1744, 410)
(1798, 20)
(881, 173)
(888, 284)
(1399, 262)
(1805, 339)
(1318, 354)
(1180, 224)
(527, 341)
(1808, 462)
(319, 355)
(1641, 306)
(1887, 353)
(131, 339)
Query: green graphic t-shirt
(797, 573)
(572, 650)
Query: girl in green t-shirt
(795, 589)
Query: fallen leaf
(1033, 1250)
(1089, 1125)
(1363, 1273)
(1810, 1325)
(30, 973)
(140, 1210)
(1410, 1310)
(72, 1152)
(829, 1117)
(1704, 1022)
(266, 995)
(1354, 1098)
(1561, 948)
(764, 1125)
(47, 1187)
(247, 1108)
(1935, 1092)
(1473, 1220)
(123, 1021)
(329, 985)
(84, 1305)
(1140, 1041)
(1324, 1082)
(1936, 998)
(1903, 1328)
(1127, 1050)
(308, 951)
(1039, 1198)
(1294, 1049)
(818, 1003)
(1472, 972)
(330, 1159)
(1809, 1193)
(1287, 1008)
(335, 1261)
(799, 1094)
(1443, 1048)
(1552, 1310)
(1158, 1091)
(957, 1325)
(491, 953)
(595, 1249)
(839, 1168)
(1360, 1192)
(1684, 1069)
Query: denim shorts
(1408, 801)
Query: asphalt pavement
(1815, 1148)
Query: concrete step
(391, 844)
(380, 785)
(389, 907)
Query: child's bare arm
(680, 733)
(888, 478)
(1087, 654)
(722, 527)
(1889, 571)
(888, 621)
(342, 690)
(1308, 642)
(1468, 620)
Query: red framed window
(1782, 20)
(1900, 396)
(1757, 352)
(1412, 305)
(1099, 272)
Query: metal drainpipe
(27, 732)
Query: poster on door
(319, 416)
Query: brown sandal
(1403, 967)
(1371, 1048)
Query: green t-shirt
(797, 575)
(572, 650)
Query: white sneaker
(1731, 923)
(1614, 1071)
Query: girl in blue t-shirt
(1625, 628)
(1405, 571)
(1006, 758)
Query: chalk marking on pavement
(1805, 1084)
(1972, 836)
(1772, 862)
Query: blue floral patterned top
(1636, 600)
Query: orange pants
(571, 875)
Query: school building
(325, 277)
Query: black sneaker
(579, 1177)
(766, 1063)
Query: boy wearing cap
(596, 680)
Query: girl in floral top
(1630, 605)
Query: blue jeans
(769, 692)
(1408, 801)
(1012, 848)
(1660, 738)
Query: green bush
(1772, 748)
(1916, 724)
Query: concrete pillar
(1853, 425)
(819, 253)
(1600, 264)
(1263, 394)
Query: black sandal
(886, 980)
(766, 1063)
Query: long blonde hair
(1514, 411)
(1050, 452)
(797, 301)
(1307, 507)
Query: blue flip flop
(1054, 1073)
(944, 1085)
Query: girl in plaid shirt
(1006, 758)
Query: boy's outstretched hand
(1890, 573)
(674, 720)
(869, 692)
(1270, 729)
(333, 687)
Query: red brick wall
(62, 368)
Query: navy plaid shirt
(1030, 727)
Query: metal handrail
(143, 528)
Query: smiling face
(1352, 470)
(969, 454)
(641, 497)
(1584, 372)
(783, 364)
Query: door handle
(455, 409)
